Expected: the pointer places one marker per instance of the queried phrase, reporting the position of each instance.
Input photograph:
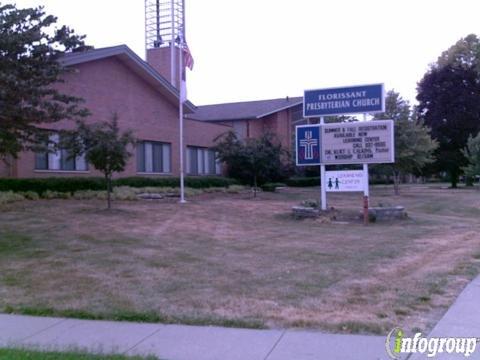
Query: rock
(150, 196)
(302, 212)
(387, 213)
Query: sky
(263, 49)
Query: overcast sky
(260, 49)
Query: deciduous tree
(30, 49)
(253, 160)
(472, 153)
(413, 143)
(105, 147)
(449, 103)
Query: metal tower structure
(164, 27)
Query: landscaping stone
(302, 212)
(387, 213)
(150, 196)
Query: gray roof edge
(279, 109)
(208, 121)
(98, 54)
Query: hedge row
(303, 181)
(40, 185)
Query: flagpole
(182, 97)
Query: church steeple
(164, 26)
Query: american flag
(187, 57)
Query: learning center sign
(369, 142)
(345, 100)
(345, 181)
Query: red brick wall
(109, 86)
(159, 59)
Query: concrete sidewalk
(179, 342)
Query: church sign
(369, 142)
(344, 100)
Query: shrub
(90, 194)
(125, 193)
(55, 195)
(72, 185)
(272, 186)
(303, 181)
(235, 189)
(310, 203)
(9, 197)
(30, 195)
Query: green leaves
(414, 146)
(472, 153)
(30, 47)
(449, 103)
(253, 160)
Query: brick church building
(145, 96)
(116, 80)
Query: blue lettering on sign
(347, 100)
(308, 145)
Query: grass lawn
(232, 260)
(18, 354)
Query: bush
(199, 182)
(235, 189)
(72, 185)
(272, 186)
(30, 195)
(55, 195)
(310, 203)
(303, 181)
(9, 197)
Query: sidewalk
(180, 342)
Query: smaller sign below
(308, 145)
(348, 181)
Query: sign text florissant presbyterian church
(351, 100)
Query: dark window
(153, 157)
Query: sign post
(366, 192)
(364, 143)
(323, 188)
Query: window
(59, 159)
(153, 157)
(202, 161)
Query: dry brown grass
(231, 257)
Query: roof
(135, 63)
(243, 110)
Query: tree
(472, 153)
(104, 146)
(465, 53)
(255, 160)
(449, 103)
(413, 143)
(30, 48)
